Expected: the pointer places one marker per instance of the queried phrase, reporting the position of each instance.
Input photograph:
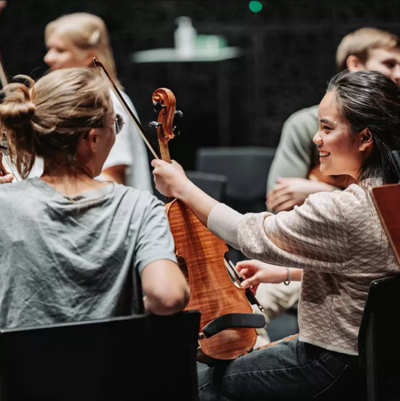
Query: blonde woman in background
(72, 41)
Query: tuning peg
(176, 131)
(157, 106)
(154, 124)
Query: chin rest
(234, 321)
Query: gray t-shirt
(64, 259)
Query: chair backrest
(212, 184)
(130, 358)
(378, 345)
(247, 171)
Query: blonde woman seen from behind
(71, 246)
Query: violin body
(212, 291)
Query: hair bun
(17, 108)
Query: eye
(390, 64)
(325, 127)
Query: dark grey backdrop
(288, 57)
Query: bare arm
(289, 192)
(165, 287)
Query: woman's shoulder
(16, 196)
(354, 198)
(15, 188)
(137, 196)
(360, 191)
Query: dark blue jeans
(288, 370)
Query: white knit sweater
(339, 241)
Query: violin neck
(165, 152)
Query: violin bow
(125, 106)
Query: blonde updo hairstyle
(86, 31)
(48, 118)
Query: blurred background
(254, 63)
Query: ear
(366, 140)
(353, 63)
(91, 138)
(90, 53)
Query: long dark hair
(369, 99)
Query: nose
(396, 75)
(318, 139)
(48, 58)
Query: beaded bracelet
(289, 276)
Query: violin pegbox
(164, 103)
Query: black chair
(212, 184)
(378, 343)
(142, 357)
(247, 171)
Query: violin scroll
(164, 103)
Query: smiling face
(340, 152)
(62, 53)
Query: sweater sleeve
(313, 235)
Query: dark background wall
(288, 56)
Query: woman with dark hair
(335, 240)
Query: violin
(201, 257)
(227, 320)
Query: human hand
(255, 272)
(289, 192)
(6, 179)
(170, 178)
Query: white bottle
(185, 37)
